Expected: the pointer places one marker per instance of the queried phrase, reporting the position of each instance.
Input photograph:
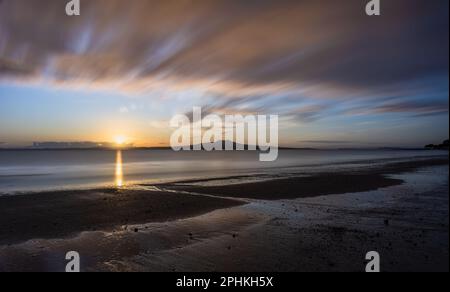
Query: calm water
(22, 171)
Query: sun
(120, 140)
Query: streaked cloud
(245, 42)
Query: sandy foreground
(325, 222)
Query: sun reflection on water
(119, 169)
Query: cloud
(9, 67)
(309, 113)
(420, 108)
(247, 53)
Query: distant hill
(224, 144)
(243, 146)
(76, 145)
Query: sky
(335, 76)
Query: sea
(24, 171)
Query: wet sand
(326, 222)
(292, 188)
(320, 184)
(62, 214)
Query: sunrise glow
(120, 140)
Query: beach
(322, 221)
(224, 136)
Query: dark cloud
(251, 40)
(8, 67)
